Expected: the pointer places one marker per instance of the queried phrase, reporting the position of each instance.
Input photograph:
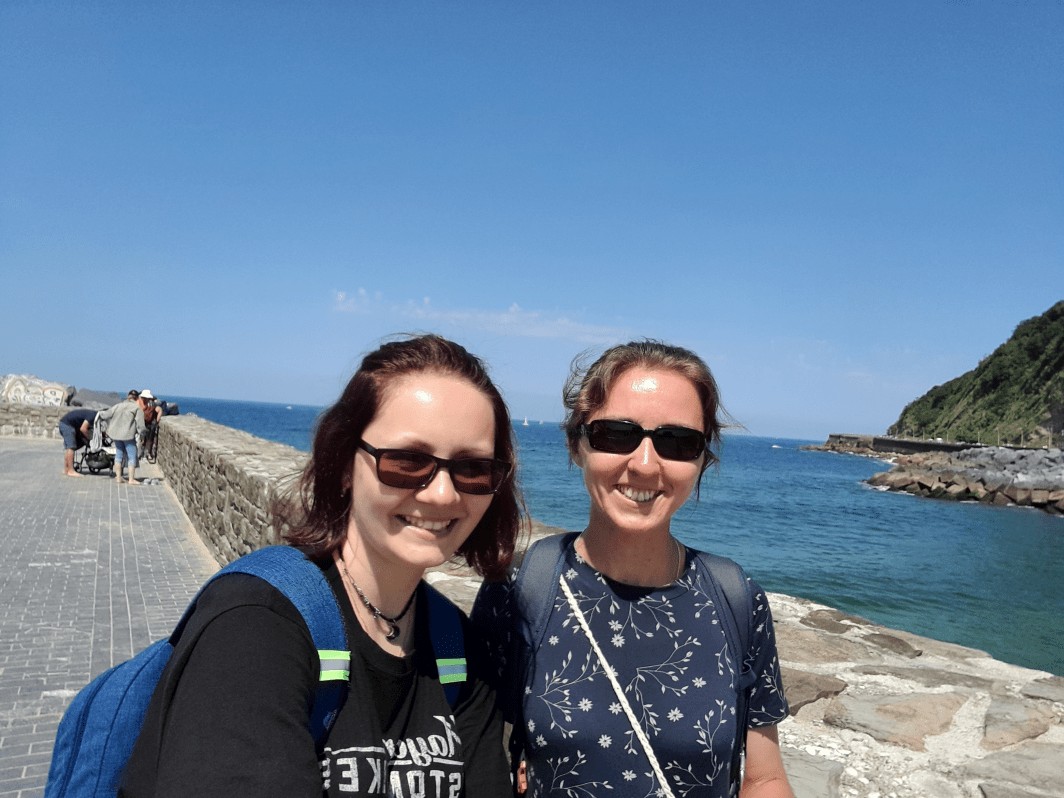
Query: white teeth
(638, 495)
(421, 523)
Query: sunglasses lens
(614, 437)
(623, 437)
(478, 477)
(400, 469)
(679, 443)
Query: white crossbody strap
(666, 791)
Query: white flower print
(531, 725)
(671, 659)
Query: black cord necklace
(391, 624)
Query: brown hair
(324, 500)
(588, 387)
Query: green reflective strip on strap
(451, 670)
(335, 665)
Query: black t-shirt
(230, 714)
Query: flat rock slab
(804, 687)
(904, 720)
(1038, 766)
(813, 775)
(1010, 721)
(1049, 689)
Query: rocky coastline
(999, 475)
(992, 474)
(882, 713)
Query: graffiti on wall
(26, 390)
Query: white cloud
(514, 321)
(360, 302)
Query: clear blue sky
(838, 204)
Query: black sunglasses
(623, 437)
(402, 468)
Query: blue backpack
(96, 735)
(535, 587)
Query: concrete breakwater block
(998, 476)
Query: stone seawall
(34, 421)
(226, 480)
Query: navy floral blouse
(670, 655)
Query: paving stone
(93, 572)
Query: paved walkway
(93, 571)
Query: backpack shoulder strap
(733, 596)
(730, 580)
(536, 584)
(304, 584)
(448, 642)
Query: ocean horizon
(804, 523)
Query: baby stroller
(94, 457)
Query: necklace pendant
(393, 631)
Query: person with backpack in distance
(411, 467)
(640, 667)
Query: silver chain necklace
(391, 624)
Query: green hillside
(1015, 396)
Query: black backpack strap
(735, 601)
(535, 586)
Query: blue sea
(802, 523)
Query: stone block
(1010, 721)
(812, 775)
(904, 720)
(893, 644)
(999, 499)
(1032, 765)
(956, 491)
(803, 687)
(799, 645)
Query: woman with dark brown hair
(413, 466)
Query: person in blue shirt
(76, 430)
